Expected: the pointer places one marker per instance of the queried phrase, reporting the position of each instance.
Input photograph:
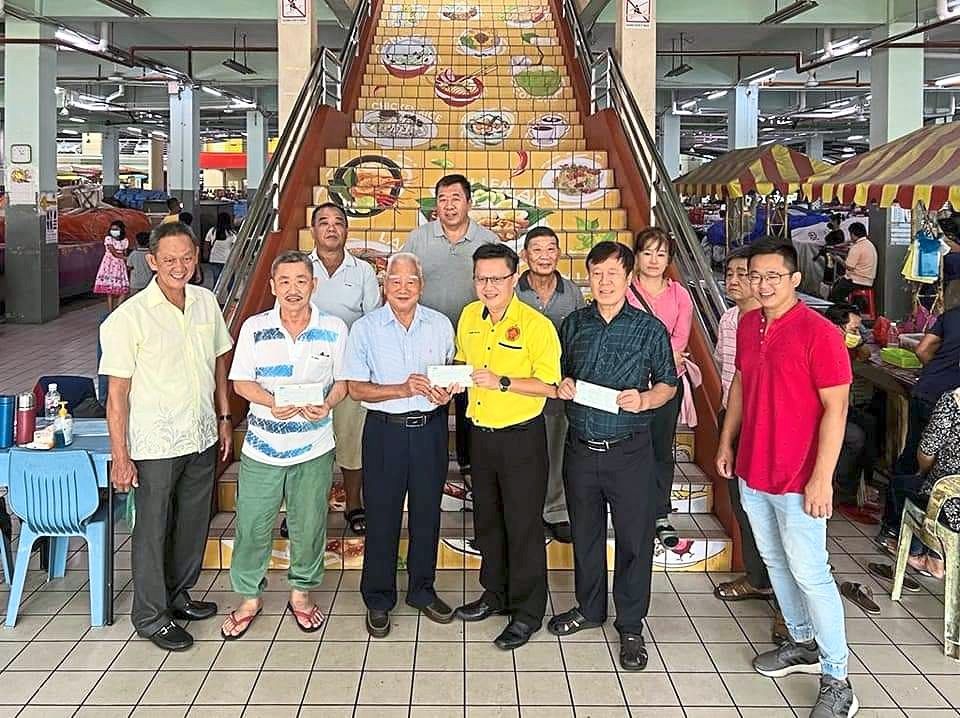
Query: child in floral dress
(112, 277)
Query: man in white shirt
(346, 288)
(288, 450)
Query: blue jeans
(794, 548)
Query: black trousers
(173, 505)
(402, 462)
(663, 433)
(509, 486)
(462, 438)
(621, 477)
(840, 293)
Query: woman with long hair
(220, 239)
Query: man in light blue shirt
(404, 440)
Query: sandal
(357, 521)
(570, 622)
(243, 623)
(861, 596)
(885, 571)
(307, 616)
(741, 590)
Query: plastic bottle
(64, 424)
(893, 336)
(51, 402)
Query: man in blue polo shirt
(288, 450)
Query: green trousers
(260, 492)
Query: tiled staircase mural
(481, 89)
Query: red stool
(868, 304)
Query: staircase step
(435, 104)
(702, 548)
(454, 139)
(437, 29)
(485, 160)
(457, 118)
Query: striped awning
(763, 169)
(923, 166)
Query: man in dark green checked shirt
(608, 457)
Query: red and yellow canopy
(762, 169)
(923, 166)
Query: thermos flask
(26, 418)
(8, 410)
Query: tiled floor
(54, 664)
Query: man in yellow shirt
(173, 211)
(167, 414)
(515, 354)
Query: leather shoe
(633, 652)
(437, 610)
(171, 637)
(378, 623)
(478, 610)
(194, 610)
(514, 636)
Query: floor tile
(241, 655)
(431, 688)
(600, 689)
(587, 657)
(685, 657)
(385, 687)
(16, 687)
(173, 688)
(39, 656)
(332, 688)
(543, 689)
(649, 689)
(390, 656)
(280, 687)
(701, 689)
(883, 659)
(118, 687)
(752, 689)
(66, 687)
(491, 688)
(487, 657)
(47, 711)
(340, 655)
(913, 692)
(226, 687)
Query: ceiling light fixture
(211, 91)
(948, 81)
(683, 68)
(788, 12)
(76, 119)
(231, 63)
(761, 77)
(126, 7)
(855, 138)
(716, 94)
(688, 105)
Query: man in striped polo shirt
(288, 450)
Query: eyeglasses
(771, 278)
(495, 281)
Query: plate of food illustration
(480, 43)
(523, 15)
(576, 181)
(366, 185)
(397, 129)
(405, 15)
(407, 57)
(488, 127)
(537, 81)
(459, 12)
(458, 90)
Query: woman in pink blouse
(669, 302)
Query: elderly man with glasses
(514, 352)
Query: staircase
(483, 89)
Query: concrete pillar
(896, 109)
(669, 143)
(297, 43)
(183, 155)
(155, 176)
(32, 284)
(257, 137)
(743, 117)
(110, 152)
(815, 147)
(636, 51)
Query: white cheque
(299, 395)
(446, 375)
(597, 397)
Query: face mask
(852, 340)
(115, 233)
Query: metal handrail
(323, 85)
(609, 89)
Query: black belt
(604, 445)
(512, 427)
(409, 420)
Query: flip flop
(357, 521)
(861, 596)
(885, 571)
(307, 616)
(244, 622)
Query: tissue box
(903, 358)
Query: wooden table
(896, 384)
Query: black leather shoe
(633, 652)
(561, 532)
(171, 637)
(437, 610)
(195, 610)
(514, 636)
(378, 623)
(477, 611)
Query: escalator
(546, 132)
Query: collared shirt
(381, 350)
(350, 293)
(783, 364)
(522, 345)
(632, 351)
(566, 298)
(267, 354)
(170, 358)
(726, 350)
(447, 268)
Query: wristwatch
(504, 383)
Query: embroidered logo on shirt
(513, 333)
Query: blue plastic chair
(55, 494)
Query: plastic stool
(868, 305)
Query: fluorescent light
(759, 78)
(716, 95)
(126, 7)
(76, 119)
(77, 40)
(948, 81)
(845, 43)
(237, 66)
(840, 103)
(789, 12)
(212, 91)
(681, 69)
(848, 149)
(135, 129)
(855, 138)
(66, 131)
(688, 105)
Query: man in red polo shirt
(788, 405)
